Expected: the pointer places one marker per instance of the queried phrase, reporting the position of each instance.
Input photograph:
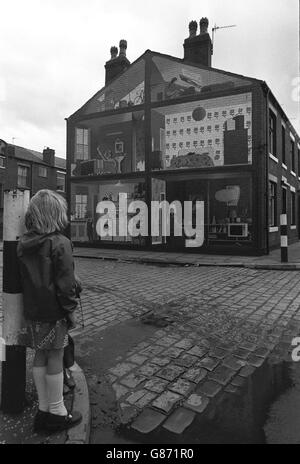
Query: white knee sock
(39, 377)
(55, 385)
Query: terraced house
(166, 128)
(29, 169)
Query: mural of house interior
(216, 132)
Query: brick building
(24, 168)
(165, 128)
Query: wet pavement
(183, 354)
(170, 352)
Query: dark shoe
(69, 380)
(40, 421)
(55, 423)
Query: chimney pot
(123, 47)
(203, 25)
(193, 26)
(113, 52)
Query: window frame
(40, 167)
(273, 220)
(80, 153)
(27, 182)
(293, 208)
(62, 174)
(272, 133)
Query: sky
(52, 53)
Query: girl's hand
(71, 321)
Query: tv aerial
(215, 28)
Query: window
(293, 208)
(23, 176)
(80, 206)
(283, 144)
(272, 133)
(293, 164)
(82, 144)
(42, 171)
(272, 204)
(2, 165)
(284, 200)
(61, 181)
(298, 161)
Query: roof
(36, 157)
(210, 72)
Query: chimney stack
(117, 64)
(198, 48)
(49, 156)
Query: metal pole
(283, 238)
(14, 368)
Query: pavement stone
(179, 421)
(222, 375)
(148, 370)
(166, 401)
(148, 421)
(234, 363)
(186, 360)
(199, 351)
(182, 386)
(209, 388)
(173, 352)
(195, 374)
(197, 403)
(170, 372)
(121, 369)
(156, 385)
(133, 380)
(208, 363)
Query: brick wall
(278, 170)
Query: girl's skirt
(45, 335)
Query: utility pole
(14, 356)
(14, 368)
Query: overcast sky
(52, 53)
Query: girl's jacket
(47, 276)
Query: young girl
(47, 274)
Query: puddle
(283, 422)
(237, 418)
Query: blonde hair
(46, 213)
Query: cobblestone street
(209, 329)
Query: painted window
(82, 144)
